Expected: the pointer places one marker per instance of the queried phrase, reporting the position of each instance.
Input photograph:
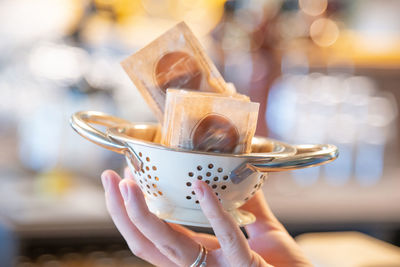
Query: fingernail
(123, 187)
(105, 181)
(199, 192)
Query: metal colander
(166, 175)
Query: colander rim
(116, 133)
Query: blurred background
(323, 71)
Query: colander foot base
(193, 217)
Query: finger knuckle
(170, 251)
(138, 250)
(229, 239)
(253, 262)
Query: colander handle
(306, 156)
(80, 123)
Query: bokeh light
(324, 32)
(313, 7)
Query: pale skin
(166, 244)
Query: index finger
(233, 243)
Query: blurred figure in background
(247, 50)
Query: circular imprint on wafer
(177, 70)
(215, 133)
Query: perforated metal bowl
(166, 175)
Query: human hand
(167, 244)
